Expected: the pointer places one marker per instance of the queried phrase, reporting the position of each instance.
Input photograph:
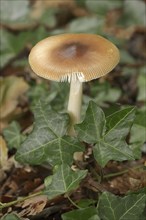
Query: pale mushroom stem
(74, 104)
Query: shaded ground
(20, 89)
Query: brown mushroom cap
(82, 56)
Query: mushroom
(75, 58)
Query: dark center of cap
(73, 50)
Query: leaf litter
(110, 182)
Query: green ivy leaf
(48, 18)
(117, 208)
(104, 92)
(37, 92)
(48, 142)
(12, 11)
(112, 145)
(109, 143)
(13, 135)
(88, 24)
(102, 7)
(85, 203)
(120, 121)
(142, 86)
(134, 11)
(138, 134)
(126, 57)
(6, 51)
(89, 213)
(10, 217)
(12, 45)
(93, 126)
(63, 181)
(138, 130)
(60, 91)
(57, 96)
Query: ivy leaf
(14, 11)
(114, 207)
(61, 150)
(139, 128)
(11, 216)
(93, 126)
(141, 82)
(120, 122)
(104, 92)
(138, 134)
(126, 57)
(85, 203)
(48, 18)
(86, 24)
(102, 7)
(112, 145)
(13, 135)
(63, 181)
(35, 91)
(12, 45)
(89, 213)
(47, 141)
(132, 15)
(109, 143)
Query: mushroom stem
(74, 104)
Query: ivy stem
(72, 202)
(121, 172)
(4, 205)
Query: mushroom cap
(73, 56)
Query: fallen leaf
(3, 152)
(2, 175)
(5, 163)
(11, 89)
(131, 181)
(33, 205)
(5, 168)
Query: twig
(121, 172)
(4, 205)
(46, 212)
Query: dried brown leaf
(3, 152)
(33, 205)
(131, 181)
(11, 90)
